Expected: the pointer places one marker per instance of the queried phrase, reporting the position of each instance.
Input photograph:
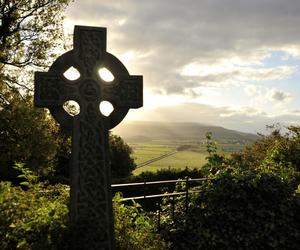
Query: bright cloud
(196, 50)
(235, 73)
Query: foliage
(28, 29)
(27, 135)
(214, 159)
(122, 164)
(281, 148)
(120, 155)
(62, 158)
(35, 218)
(26, 174)
(30, 33)
(134, 229)
(31, 136)
(238, 210)
(277, 152)
(252, 200)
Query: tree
(122, 164)
(29, 32)
(120, 154)
(27, 135)
(277, 150)
(31, 136)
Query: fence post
(186, 194)
(144, 190)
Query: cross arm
(52, 90)
(127, 93)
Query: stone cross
(91, 214)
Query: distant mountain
(147, 131)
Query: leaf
(25, 183)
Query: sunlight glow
(106, 108)
(121, 22)
(71, 74)
(106, 75)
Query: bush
(36, 217)
(282, 148)
(33, 219)
(134, 229)
(252, 202)
(238, 210)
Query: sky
(230, 63)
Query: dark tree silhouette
(30, 32)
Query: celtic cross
(90, 196)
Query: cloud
(244, 111)
(260, 96)
(173, 34)
(196, 49)
(231, 73)
(252, 90)
(278, 95)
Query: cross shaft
(91, 201)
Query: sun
(71, 74)
(106, 108)
(106, 75)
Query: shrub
(239, 210)
(36, 217)
(134, 229)
(33, 219)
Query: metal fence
(145, 184)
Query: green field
(179, 160)
(147, 151)
(192, 158)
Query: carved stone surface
(91, 201)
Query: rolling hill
(147, 131)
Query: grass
(188, 158)
(180, 160)
(148, 151)
(153, 149)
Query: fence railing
(145, 184)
